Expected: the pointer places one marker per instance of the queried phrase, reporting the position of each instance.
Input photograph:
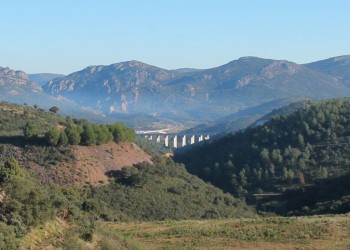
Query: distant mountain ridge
(16, 87)
(43, 78)
(134, 87)
(187, 96)
(338, 67)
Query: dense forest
(288, 151)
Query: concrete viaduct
(175, 140)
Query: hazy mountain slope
(338, 67)
(43, 78)
(134, 87)
(240, 119)
(15, 87)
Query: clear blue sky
(63, 36)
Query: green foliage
(14, 118)
(54, 109)
(164, 191)
(39, 127)
(48, 155)
(10, 170)
(88, 136)
(73, 134)
(30, 130)
(151, 147)
(312, 143)
(330, 195)
(63, 139)
(122, 133)
(8, 239)
(52, 137)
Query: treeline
(80, 132)
(296, 149)
(36, 125)
(89, 134)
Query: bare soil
(89, 167)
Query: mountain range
(191, 95)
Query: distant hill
(243, 118)
(16, 87)
(337, 67)
(291, 150)
(204, 95)
(43, 78)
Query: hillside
(79, 174)
(183, 95)
(241, 119)
(287, 152)
(337, 67)
(17, 87)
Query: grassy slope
(321, 232)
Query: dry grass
(324, 232)
(44, 236)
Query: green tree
(122, 133)
(73, 134)
(30, 130)
(63, 139)
(88, 137)
(264, 154)
(53, 136)
(10, 170)
(54, 109)
(243, 177)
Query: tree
(73, 135)
(290, 176)
(122, 133)
(54, 109)
(10, 170)
(276, 156)
(53, 136)
(243, 177)
(88, 137)
(63, 139)
(30, 130)
(264, 154)
(323, 173)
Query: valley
(273, 172)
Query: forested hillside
(287, 152)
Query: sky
(41, 36)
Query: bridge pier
(175, 141)
(183, 141)
(192, 139)
(166, 141)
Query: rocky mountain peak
(13, 73)
(280, 67)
